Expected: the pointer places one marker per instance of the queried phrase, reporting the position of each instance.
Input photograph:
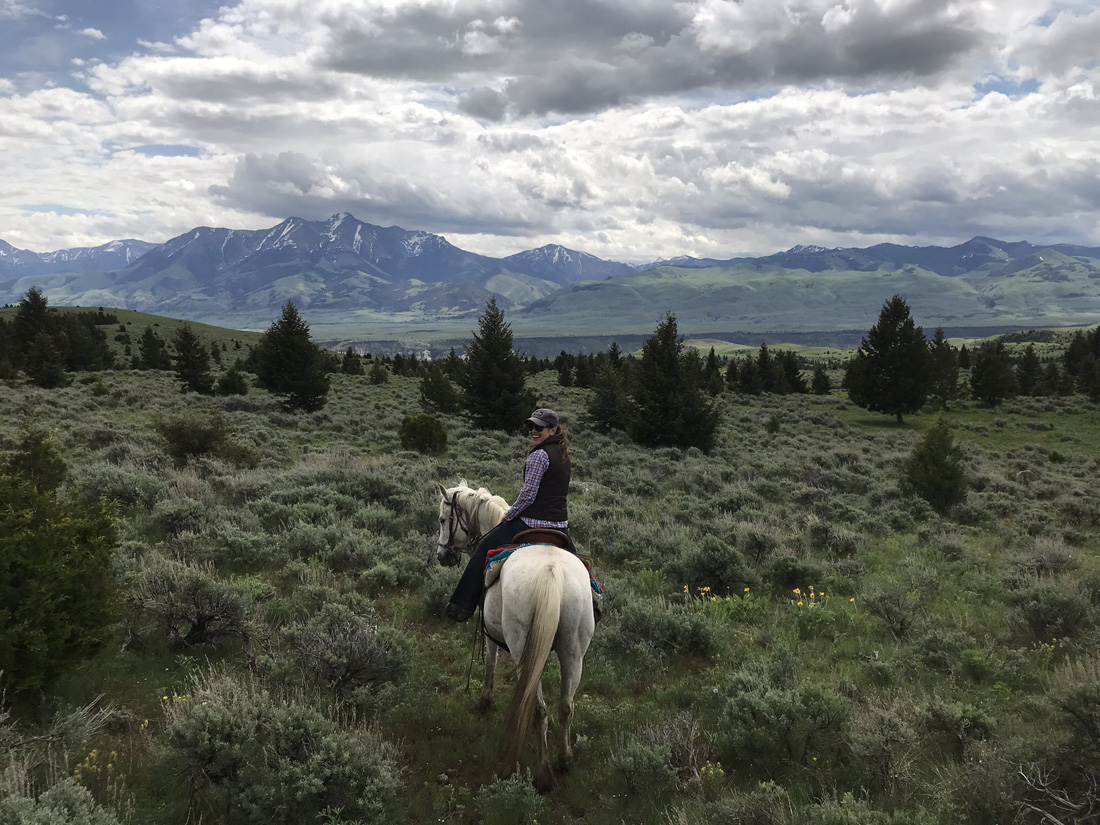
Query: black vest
(550, 500)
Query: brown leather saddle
(542, 535)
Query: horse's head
(454, 525)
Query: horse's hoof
(563, 764)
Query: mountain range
(344, 272)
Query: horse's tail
(546, 614)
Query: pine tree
(152, 352)
(290, 365)
(615, 357)
(192, 362)
(1029, 372)
(944, 377)
(378, 374)
(43, 363)
(731, 374)
(32, 316)
(821, 385)
(792, 372)
(351, 364)
(57, 586)
(992, 378)
(713, 382)
(437, 393)
(233, 382)
(611, 406)
(671, 407)
(748, 378)
(935, 470)
(892, 367)
(1088, 377)
(495, 383)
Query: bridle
(457, 519)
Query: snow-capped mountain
(564, 266)
(20, 263)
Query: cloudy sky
(630, 129)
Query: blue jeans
(467, 594)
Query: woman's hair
(564, 445)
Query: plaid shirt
(533, 471)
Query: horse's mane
(482, 494)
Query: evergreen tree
(152, 352)
(1051, 381)
(611, 406)
(584, 371)
(748, 378)
(57, 584)
(351, 364)
(892, 368)
(233, 382)
(992, 378)
(565, 374)
(944, 383)
(495, 383)
(671, 407)
(935, 470)
(43, 363)
(290, 365)
(792, 372)
(713, 382)
(32, 316)
(453, 366)
(1088, 377)
(1076, 353)
(192, 362)
(964, 358)
(437, 393)
(378, 374)
(821, 385)
(731, 374)
(615, 357)
(1029, 372)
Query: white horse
(542, 601)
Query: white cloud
(632, 130)
(93, 34)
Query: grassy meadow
(787, 637)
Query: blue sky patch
(168, 150)
(1007, 87)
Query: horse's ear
(442, 489)
(463, 483)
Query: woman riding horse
(541, 503)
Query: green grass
(918, 607)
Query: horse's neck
(487, 511)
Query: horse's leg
(485, 700)
(544, 781)
(571, 666)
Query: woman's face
(539, 435)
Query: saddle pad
(494, 560)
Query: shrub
(956, 725)
(713, 563)
(934, 469)
(66, 803)
(423, 433)
(188, 605)
(645, 766)
(1054, 610)
(36, 459)
(766, 804)
(773, 728)
(191, 435)
(58, 596)
(261, 759)
(651, 630)
(232, 382)
(510, 801)
(344, 652)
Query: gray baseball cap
(543, 418)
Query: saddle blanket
(496, 558)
